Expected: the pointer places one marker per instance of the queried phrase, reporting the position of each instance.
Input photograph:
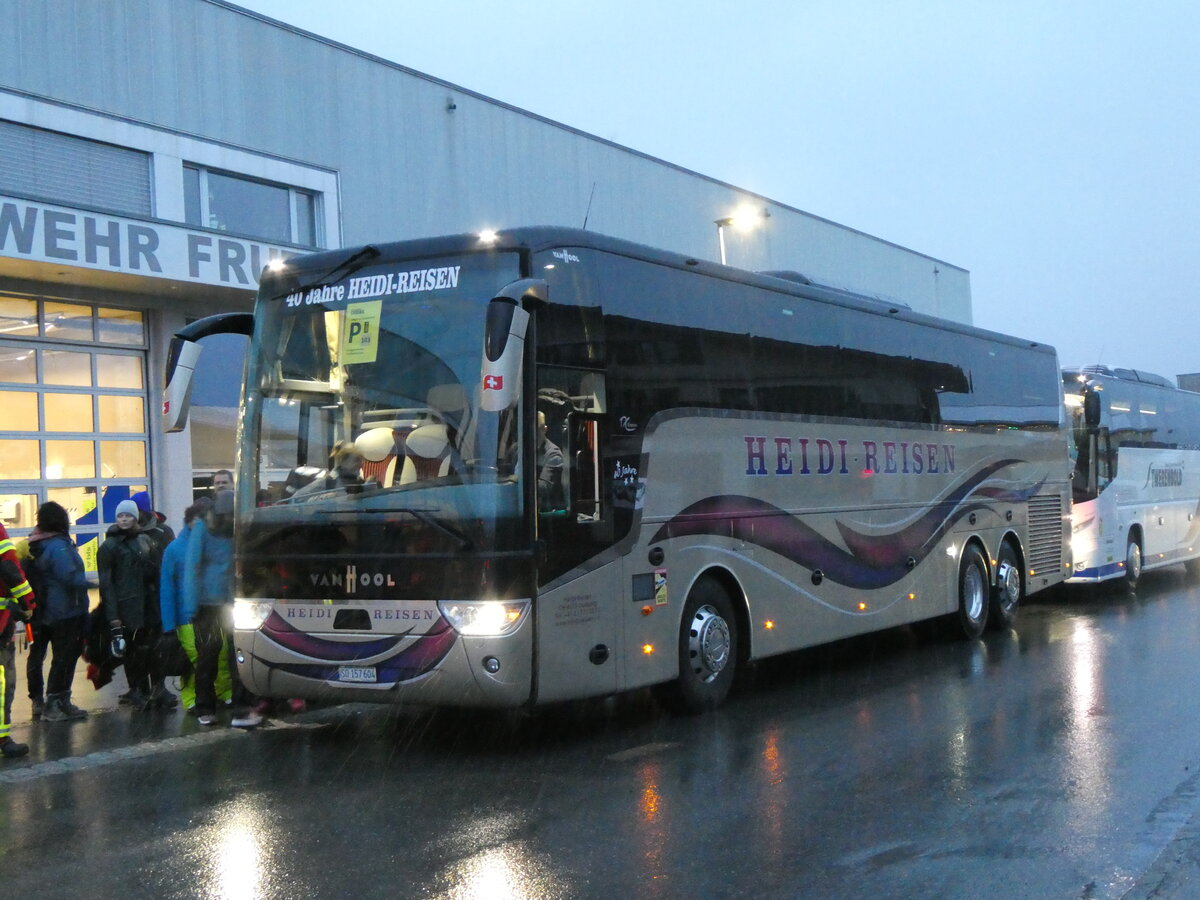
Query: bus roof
(533, 239)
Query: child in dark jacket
(129, 592)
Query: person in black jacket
(127, 592)
(62, 587)
(153, 525)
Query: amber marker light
(647, 649)
(768, 624)
(646, 610)
(912, 596)
(862, 607)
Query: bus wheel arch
(974, 580)
(1134, 556)
(710, 645)
(1008, 584)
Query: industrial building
(154, 156)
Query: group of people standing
(152, 582)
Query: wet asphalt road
(1061, 759)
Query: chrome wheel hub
(708, 644)
(973, 593)
(1009, 581)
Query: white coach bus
(1135, 448)
(556, 465)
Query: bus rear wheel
(1009, 589)
(1133, 561)
(708, 649)
(972, 593)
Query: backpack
(36, 579)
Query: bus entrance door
(578, 652)
(579, 602)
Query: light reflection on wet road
(1056, 760)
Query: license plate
(360, 674)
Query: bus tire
(1192, 568)
(1133, 561)
(708, 649)
(972, 593)
(1008, 590)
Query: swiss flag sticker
(493, 382)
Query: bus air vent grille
(1045, 533)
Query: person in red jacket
(16, 602)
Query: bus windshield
(363, 396)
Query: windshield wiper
(464, 542)
(422, 516)
(352, 263)
(344, 269)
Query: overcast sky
(1051, 147)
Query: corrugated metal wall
(409, 166)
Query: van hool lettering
(352, 579)
(825, 456)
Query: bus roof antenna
(587, 212)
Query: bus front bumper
(440, 668)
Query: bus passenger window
(549, 469)
(585, 469)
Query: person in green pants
(178, 619)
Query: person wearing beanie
(62, 587)
(127, 593)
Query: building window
(244, 206)
(74, 425)
(74, 171)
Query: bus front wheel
(972, 593)
(1133, 561)
(708, 649)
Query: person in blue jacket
(208, 596)
(177, 618)
(62, 608)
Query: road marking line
(643, 750)
(137, 751)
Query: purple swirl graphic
(869, 561)
(419, 657)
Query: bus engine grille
(1045, 533)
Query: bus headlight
(248, 615)
(483, 617)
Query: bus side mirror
(504, 341)
(177, 384)
(181, 363)
(1091, 409)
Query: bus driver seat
(428, 448)
(377, 447)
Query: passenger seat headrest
(375, 445)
